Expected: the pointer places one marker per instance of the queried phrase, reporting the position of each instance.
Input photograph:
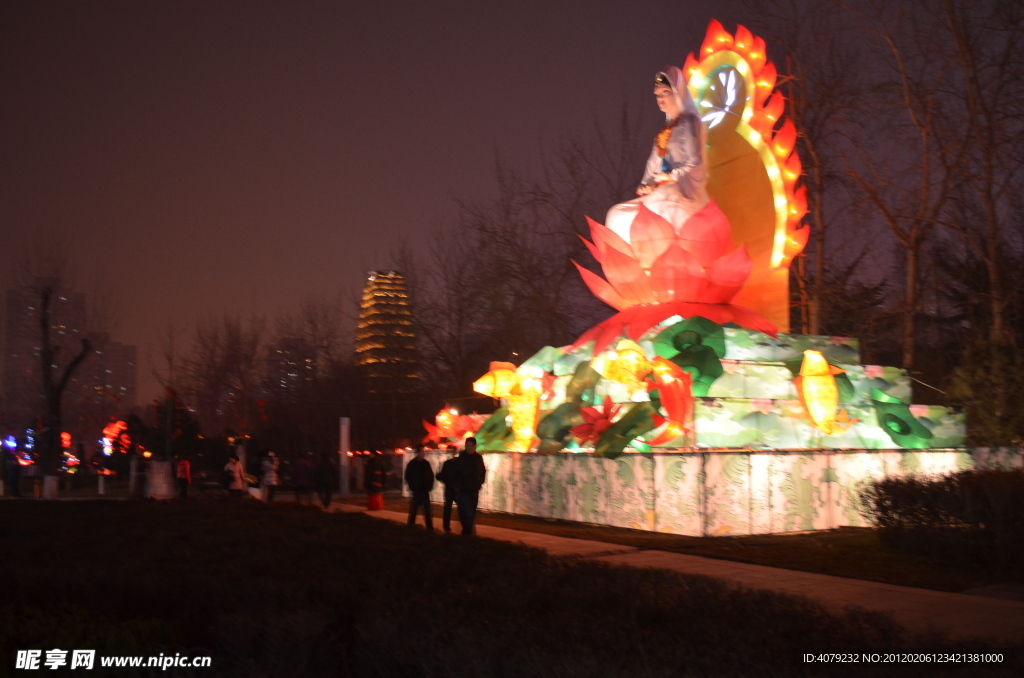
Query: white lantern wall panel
(710, 493)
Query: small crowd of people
(306, 477)
(463, 475)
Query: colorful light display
(693, 358)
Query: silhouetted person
(420, 478)
(448, 475)
(183, 472)
(323, 479)
(471, 476)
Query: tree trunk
(159, 480)
(910, 312)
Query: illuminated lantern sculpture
(626, 364)
(660, 273)
(499, 381)
(819, 393)
(450, 426)
(753, 166)
(522, 393)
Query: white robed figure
(674, 184)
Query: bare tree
(900, 161)
(54, 383)
(223, 371)
(984, 42)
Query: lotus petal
(611, 330)
(677, 275)
(647, 317)
(605, 239)
(705, 235)
(626, 276)
(649, 236)
(726, 276)
(602, 289)
(594, 250)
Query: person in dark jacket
(323, 479)
(420, 478)
(447, 475)
(471, 476)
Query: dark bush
(966, 517)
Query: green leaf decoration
(691, 332)
(636, 422)
(542, 361)
(555, 427)
(895, 419)
(495, 434)
(567, 363)
(847, 392)
(703, 365)
(580, 389)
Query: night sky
(212, 157)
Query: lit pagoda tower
(385, 341)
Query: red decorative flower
(597, 421)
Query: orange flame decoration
(450, 426)
(765, 111)
(675, 388)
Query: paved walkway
(955, 614)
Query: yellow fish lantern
(627, 364)
(499, 381)
(522, 394)
(819, 393)
(523, 407)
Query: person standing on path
(183, 472)
(235, 476)
(323, 479)
(449, 475)
(270, 477)
(420, 478)
(470, 478)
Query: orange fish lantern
(674, 385)
(819, 393)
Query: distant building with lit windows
(385, 340)
(291, 364)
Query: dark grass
(854, 552)
(286, 590)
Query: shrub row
(966, 517)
